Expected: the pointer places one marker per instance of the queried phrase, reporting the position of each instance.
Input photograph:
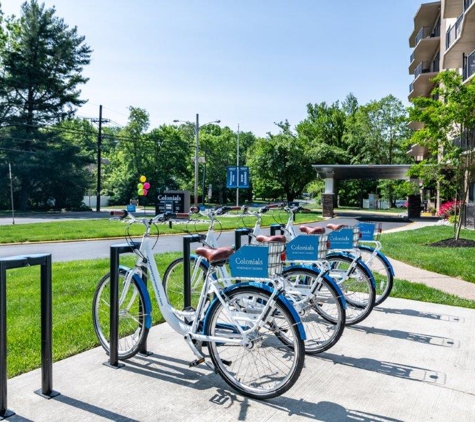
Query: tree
(281, 165)
(41, 64)
(377, 133)
(323, 132)
(449, 134)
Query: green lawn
(105, 228)
(412, 247)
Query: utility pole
(197, 135)
(99, 158)
(11, 191)
(237, 169)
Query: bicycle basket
(275, 264)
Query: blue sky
(246, 62)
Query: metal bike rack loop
(44, 260)
(274, 228)
(115, 252)
(187, 241)
(238, 233)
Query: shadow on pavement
(412, 312)
(405, 335)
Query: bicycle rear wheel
(355, 284)
(381, 273)
(132, 331)
(265, 367)
(323, 315)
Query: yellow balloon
(143, 179)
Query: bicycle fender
(327, 278)
(203, 261)
(143, 289)
(363, 265)
(280, 297)
(381, 255)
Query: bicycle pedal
(196, 362)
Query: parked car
(401, 203)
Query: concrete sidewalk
(408, 361)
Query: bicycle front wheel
(381, 273)
(356, 285)
(323, 314)
(132, 331)
(173, 282)
(265, 366)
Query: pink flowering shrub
(447, 209)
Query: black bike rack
(274, 228)
(46, 391)
(115, 252)
(187, 241)
(238, 233)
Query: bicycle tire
(265, 367)
(382, 274)
(357, 287)
(132, 331)
(173, 282)
(323, 316)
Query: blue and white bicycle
(254, 337)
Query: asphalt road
(92, 249)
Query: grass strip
(413, 248)
(104, 228)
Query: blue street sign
(232, 177)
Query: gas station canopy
(363, 171)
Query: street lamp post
(197, 136)
(197, 146)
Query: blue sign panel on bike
(366, 230)
(250, 261)
(237, 179)
(342, 239)
(302, 248)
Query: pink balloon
(145, 191)
(146, 185)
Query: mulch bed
(452, 243)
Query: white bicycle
(254, 337)
(317, 299)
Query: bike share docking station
(46, 391)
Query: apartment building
(443, 38)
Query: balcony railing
(411, 59)
(427, 32)
(411, 87)
(467, 4)
(453, 32)
(466, 140)
(469, 65)
(426, 67)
